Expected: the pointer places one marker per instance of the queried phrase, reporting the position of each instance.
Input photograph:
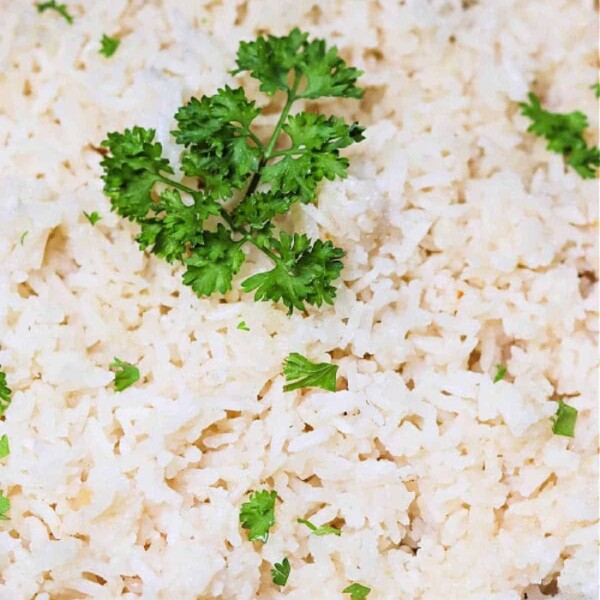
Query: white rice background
(468, 245)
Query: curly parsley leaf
(281, 572)
(126, 374)
(301, 372)
(108, 45)
(220, 148)
(564, 133)
(258, 210)
(4, 447)
(275, 61)
(357, 591)
(500, 373)
(132, 169)
(93, 217)
(304, 272)
(61, 9)
(322, 529)
(212, 266)
(563, 423)
(221, 154)
(258, 515)
(4, 507)
(175, 227)
(313, 155)
(5, 393)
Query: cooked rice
(469, 245)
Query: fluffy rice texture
(468, 245)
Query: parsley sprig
(564, 133)
(223, 156)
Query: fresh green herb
(357, 591)
(242, 326)
(564, 133)
(222, 153)
(126, 374)
(61, 9)
(108, 45)
(93, 218)
(4, 507)
(563, 423)
(596, 88)
(5, 393)
(500, 373)
(258, 515)
(322, 530)
(23, 236)
(281, 572)
(301, 373)
(4, 447)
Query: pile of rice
(468, 245)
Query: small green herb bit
(126, 374)
(357, 591)
(5, 393)
(223, 154)
(93, 217)
(258, 515)
(4, 507)
(242, 326)
(564, 133)
(563, 423)
(596, 88)
(4, 447)
(301, 373)
(61, 9)
(322, 530)
(281, 572)
(500, 373)
(23, 236)
(108, 45)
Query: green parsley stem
(291, 98)
(180, 186)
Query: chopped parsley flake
(4, 507)
(500, 373)
(301, 372)
(596, 88)
(281, 572)
(4, 447)
(23, 236)
(242, 326)
(563, 423)
(322, 530)
(108, 45)
(258, 515)
(357, 591)
(126, 374)
(564, 133)
(93, 218)
(5, 393)
(61, 9)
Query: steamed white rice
(468, 245)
